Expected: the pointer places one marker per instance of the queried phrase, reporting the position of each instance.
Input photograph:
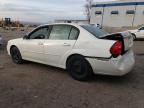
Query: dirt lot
(33, 85)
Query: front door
(34, 46)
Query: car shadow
(111, 79)
(43, 66)
(139, 39)
(95, 78)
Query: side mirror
(25, 37)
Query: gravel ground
(33, 85)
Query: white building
(72, 21)
(118, 13)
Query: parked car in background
(138, 33)
(1, 40)
(81, 49)
(99, 26)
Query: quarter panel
(90, 48)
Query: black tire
(134, 36)
(16, 55)
(79, 68)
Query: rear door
(60, 42)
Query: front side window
(60, 32)
(41, 33)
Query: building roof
(118, 3)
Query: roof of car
(74, 24)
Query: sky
(43, 10)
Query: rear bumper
(114, 66)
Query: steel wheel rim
(77, 68)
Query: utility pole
(134, 15)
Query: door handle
(67, 44)
(40, 43)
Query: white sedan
(1, 40)
(138, 33)
(81, 49)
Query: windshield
(142, 28)
(94, 30)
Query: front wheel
(79, 68)
(16, 55)
(134, 36)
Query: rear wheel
(16, 56)
(79, 68)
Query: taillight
(116, 49)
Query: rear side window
(74, 34)
(60, 32)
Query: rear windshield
(94, 30)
